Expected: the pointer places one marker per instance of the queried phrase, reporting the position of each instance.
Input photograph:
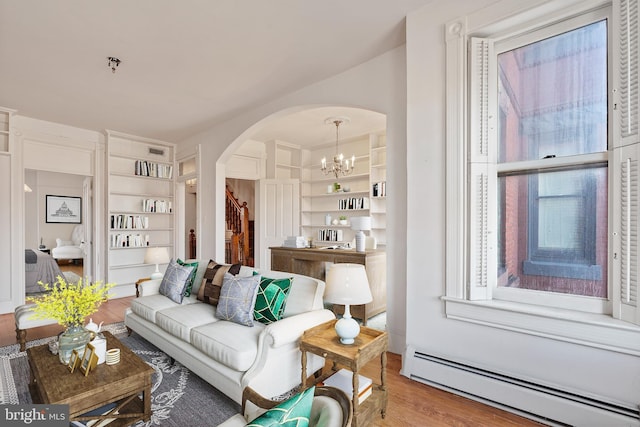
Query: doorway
(43, 235)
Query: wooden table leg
(383, 382)
(304, 370)
(147, 402)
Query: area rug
(178, 396)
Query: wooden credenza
(316, 262)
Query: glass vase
(73, 338)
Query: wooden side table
(323, 341)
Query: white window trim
(464, 299)
(593, 330)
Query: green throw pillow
(271, 299)
(293, 412)
(192, 276)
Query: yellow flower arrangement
(69, 303)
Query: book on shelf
(380, 189)
(330, 235)
(343, 379)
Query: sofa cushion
(192, 276)
(147, 307)
(174, 281)
(294, 411)
(271, 299)
(179, 320)
(233, 345)
(238, 299)
(209, 290)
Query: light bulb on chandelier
(340, 166)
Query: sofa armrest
(290, 329)
(147, 286)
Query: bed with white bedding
(39, 266)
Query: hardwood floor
(410, 403)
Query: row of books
(156, 170)
(353, 203)
(119, 222)
(122, 240)
(379, 189)
(161, 206)
(343, 379)
(330, 235)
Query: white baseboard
(548, 406)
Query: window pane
(553, 96)
(553, 231)
(561, 212)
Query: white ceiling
(185, 64)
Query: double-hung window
(551, 149)
(548, 218)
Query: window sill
(567, 270)
(594, 330)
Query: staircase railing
(237, 218)
(192, 243)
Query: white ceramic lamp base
(360, 241)
(157, 274)
(347, 328)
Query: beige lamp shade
(347, 284)
(156, 256)
(361, 223)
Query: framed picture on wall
(64, 209)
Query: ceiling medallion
(113, 63)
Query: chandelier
(340, 166)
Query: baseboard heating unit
(541, 403)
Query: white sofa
(227, 355)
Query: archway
(290, 146)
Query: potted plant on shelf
(69, 304)
(343, 220)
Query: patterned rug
(178, 397)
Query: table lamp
(347, 284)
(156, 256)
(360, 224)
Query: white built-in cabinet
(5, 123)
(366, 195)
(140, 214)
(9, 295)
(284, 160)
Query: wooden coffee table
(52, 383)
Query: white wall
(377, 85)
(606, 375)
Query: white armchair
(70, 249)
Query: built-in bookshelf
(355, 194)
(5, 118)
(378, 183)
(141, 187)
